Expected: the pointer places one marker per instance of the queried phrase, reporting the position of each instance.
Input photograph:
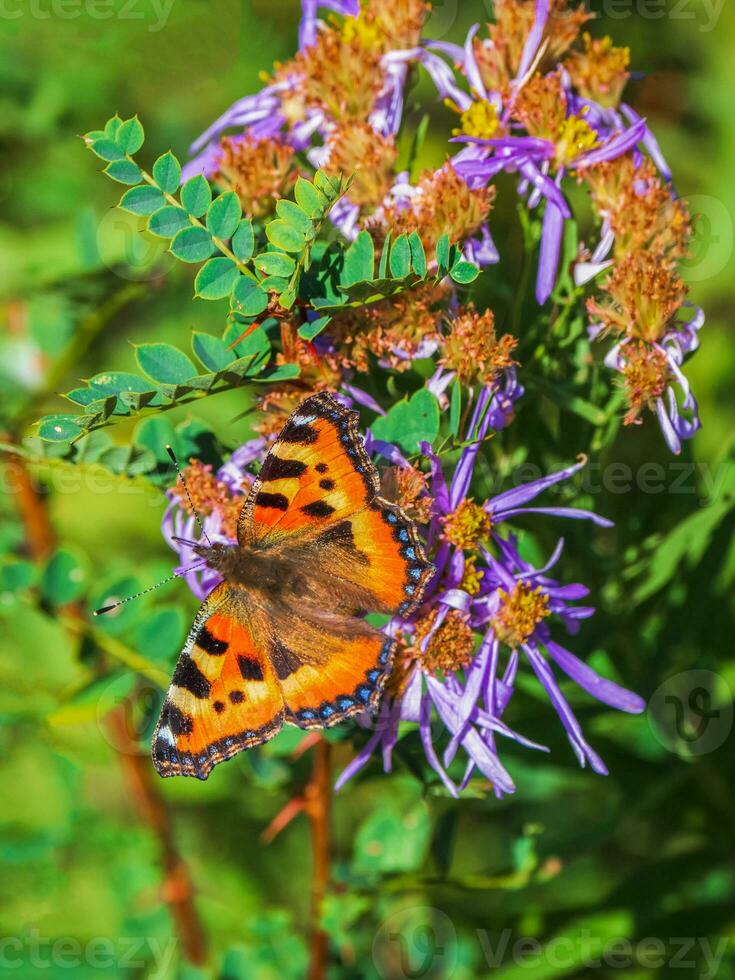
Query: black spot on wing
(285, 662)
(340, 533)
(276, 468)
(210, 644)
(277, 501)
(177, 721)
(237, 697)
(319, 508)
(321, 467)
(218, 707)
(188, 676)
(327, 484)
(299, 433)
(250, 668)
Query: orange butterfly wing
(224, 694)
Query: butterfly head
(223, 558)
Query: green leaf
(455, 408)
(16, 575)
(164, 363)
(211, 351)
(112, 126)
(442, 252)
(284, 236)
(124, 172)
(167, 172)
(310, 330)
(59, 428)
(192, 244)
(284, 372)
(243, 241)
(167, 221)
(400, 257)
(224, 215)
(113, 382)
(142, 200)
(275, 264)
(383, 267)
(295, 216)
(464, 272)
(254, 349)
(196, 195)
(359, 261)
(216, 279)
(64, 578)
(161, 634)
(248, 298)
(329, 186)
(309, 199)
(393, 840)
(418, 255)
(105, 148)
(82, 396)
(154, 434)
(130, 136)
(410, 421)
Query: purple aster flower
(518, 599)
(468, 711)
(673, 400)
(531, 157)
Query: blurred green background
(423, 887)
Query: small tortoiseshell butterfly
(283, 638)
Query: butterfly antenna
(137, 595)
(193, 509)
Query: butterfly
(283, 637)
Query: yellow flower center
(359, 29)
(574, 137)
(520, 612)
(468, 525)
(480, 120)
(471, 576)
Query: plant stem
(177, 888)
(317, 798)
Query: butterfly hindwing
(329, 668)
(224, 695)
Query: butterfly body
(283, 638)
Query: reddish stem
(317, 800)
